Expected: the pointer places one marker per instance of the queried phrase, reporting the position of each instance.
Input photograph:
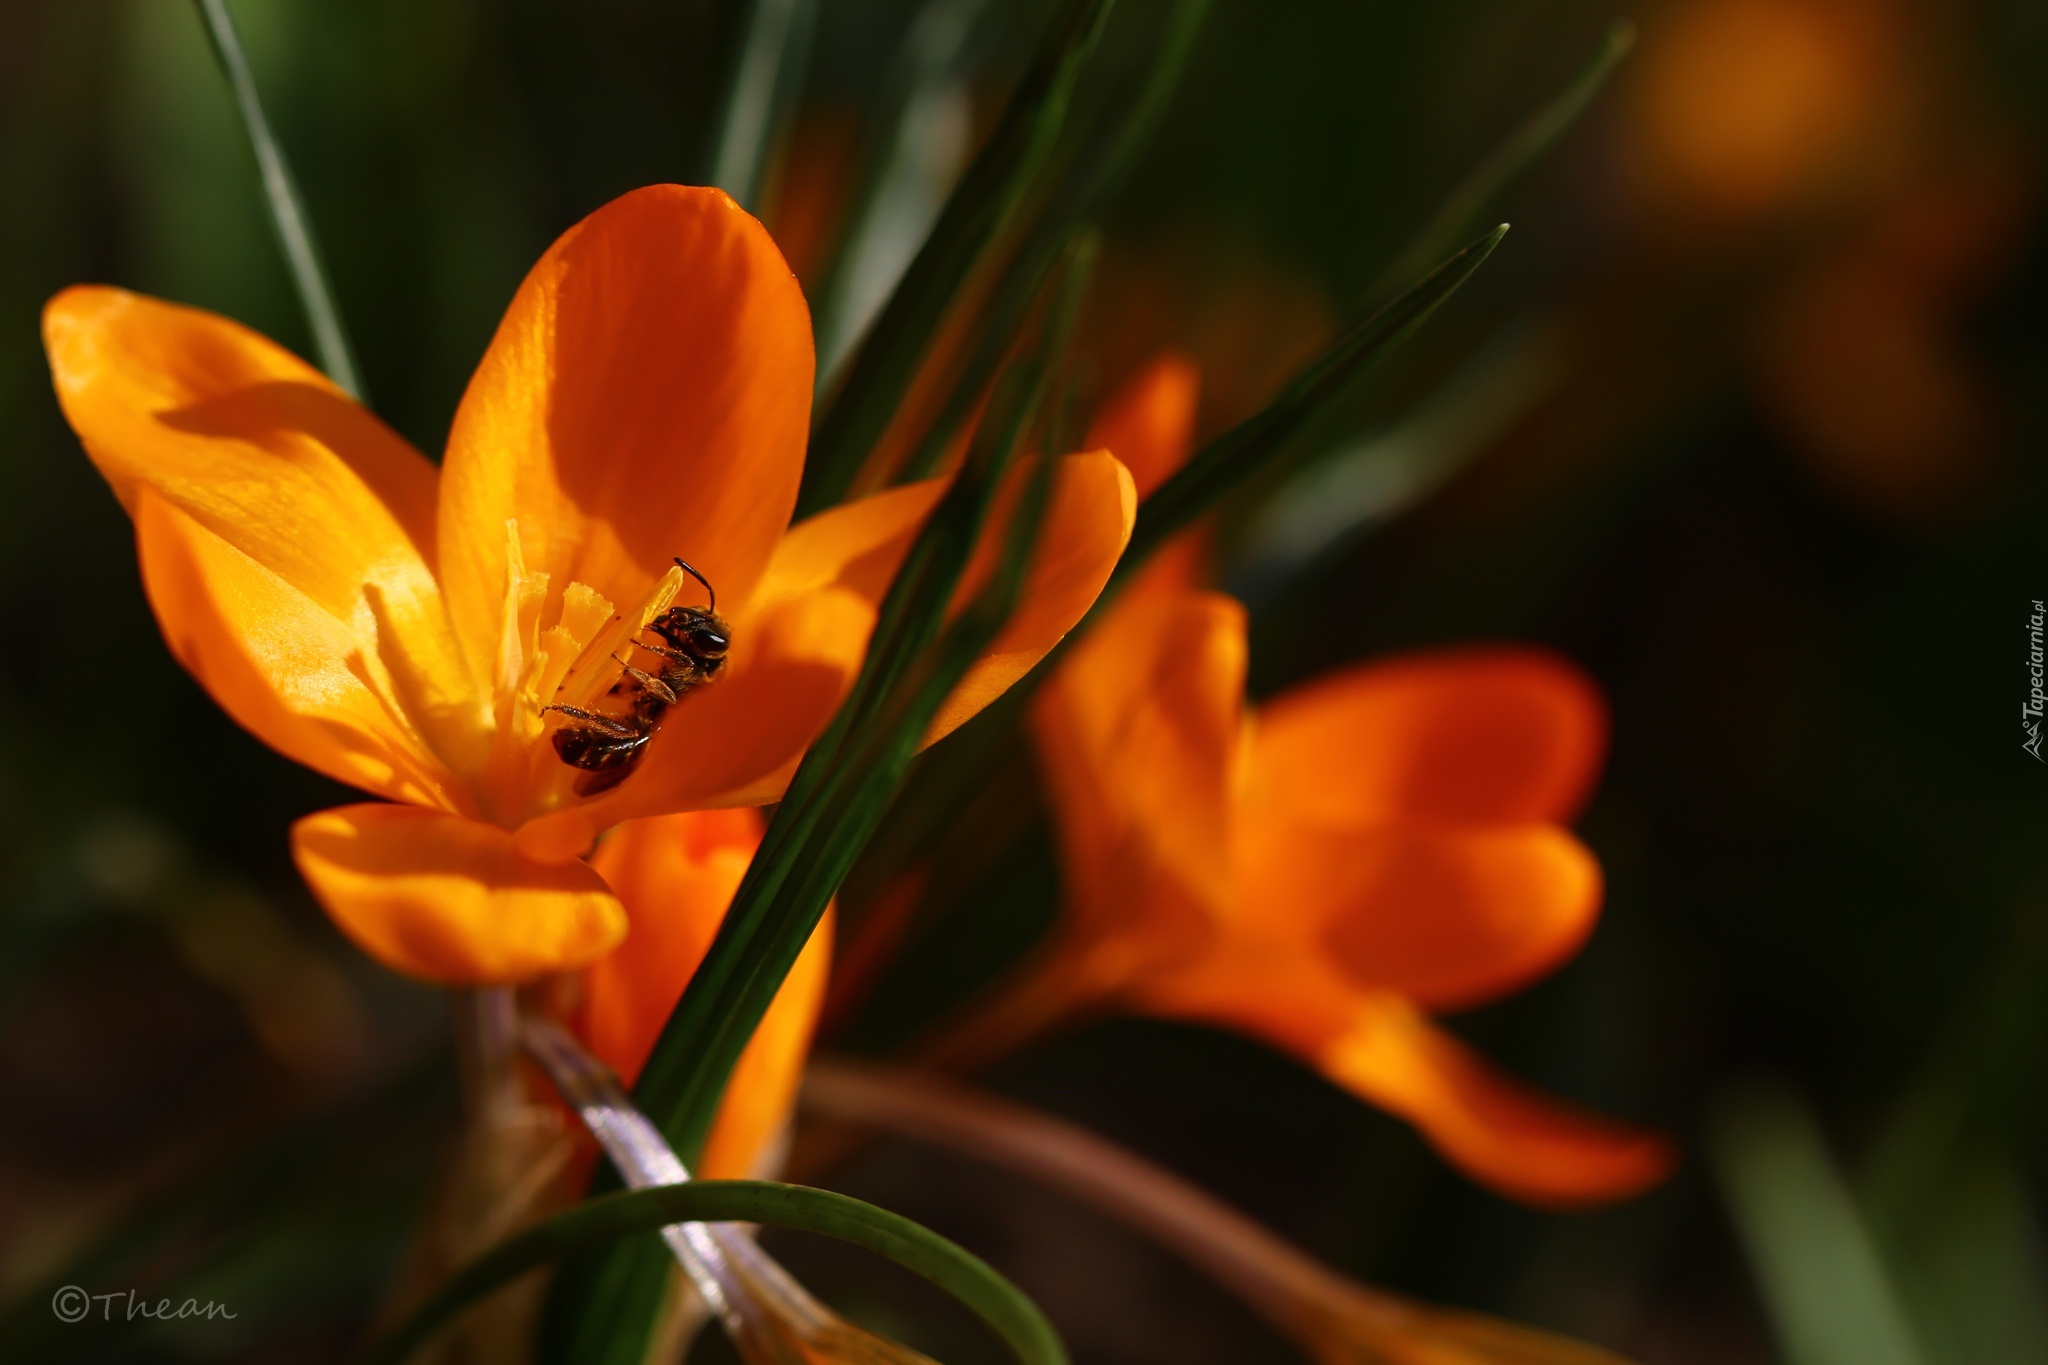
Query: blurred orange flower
(1866, 359)
(400, 628)
(1323, 872)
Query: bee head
(699, 632)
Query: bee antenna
(684, 565)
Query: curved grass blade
(1237, 454)
(767, 73)
(599, 1221)
(767, 1315)
(981, 205)
(1534, 136)
(287, 210)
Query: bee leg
(604, 723)
(648, 682)
(666, 652)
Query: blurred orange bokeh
(1743, 105)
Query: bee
(691, 651)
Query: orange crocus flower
(399, 628)
(1324, 871)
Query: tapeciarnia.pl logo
(2037, 700)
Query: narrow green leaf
(767, 72)
(601, 1311)
(918, 151)
(999, 334)
(1140, 118)
(1226, 462)
(838, 791)
(597, 1222)
(602, 1307)
(998, 181)
(1379, 476)
(1215, 471)
(1829, 1295)
(1533, 137)
(1107, 156)
(1945, 1183)
(287, 210)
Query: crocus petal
(1138, 738)
(448, 899)
(1384, 1050)
(1460, 734)
(245, 438)
(1449, 916)
(800, 642)
(1149, 424)
(261, 451)
(856, 546)
(275, 661)
(1149, 421)
(1497, 1130)
(676, 876)
(1084, 533)
(647, 395)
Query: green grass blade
(910, 169)
(1236, 455)
(1533, 137)
(1830, 1297)
(995, 185)
(287, 210)
(767, 73)
(1108, 157)
(1944, 1183)
(999, 335)
(1377, 477)
(597, 1222)
(835, 798)
(1141, 118)
(602, 1308)
(1214, 472)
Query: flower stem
(486, 1042)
